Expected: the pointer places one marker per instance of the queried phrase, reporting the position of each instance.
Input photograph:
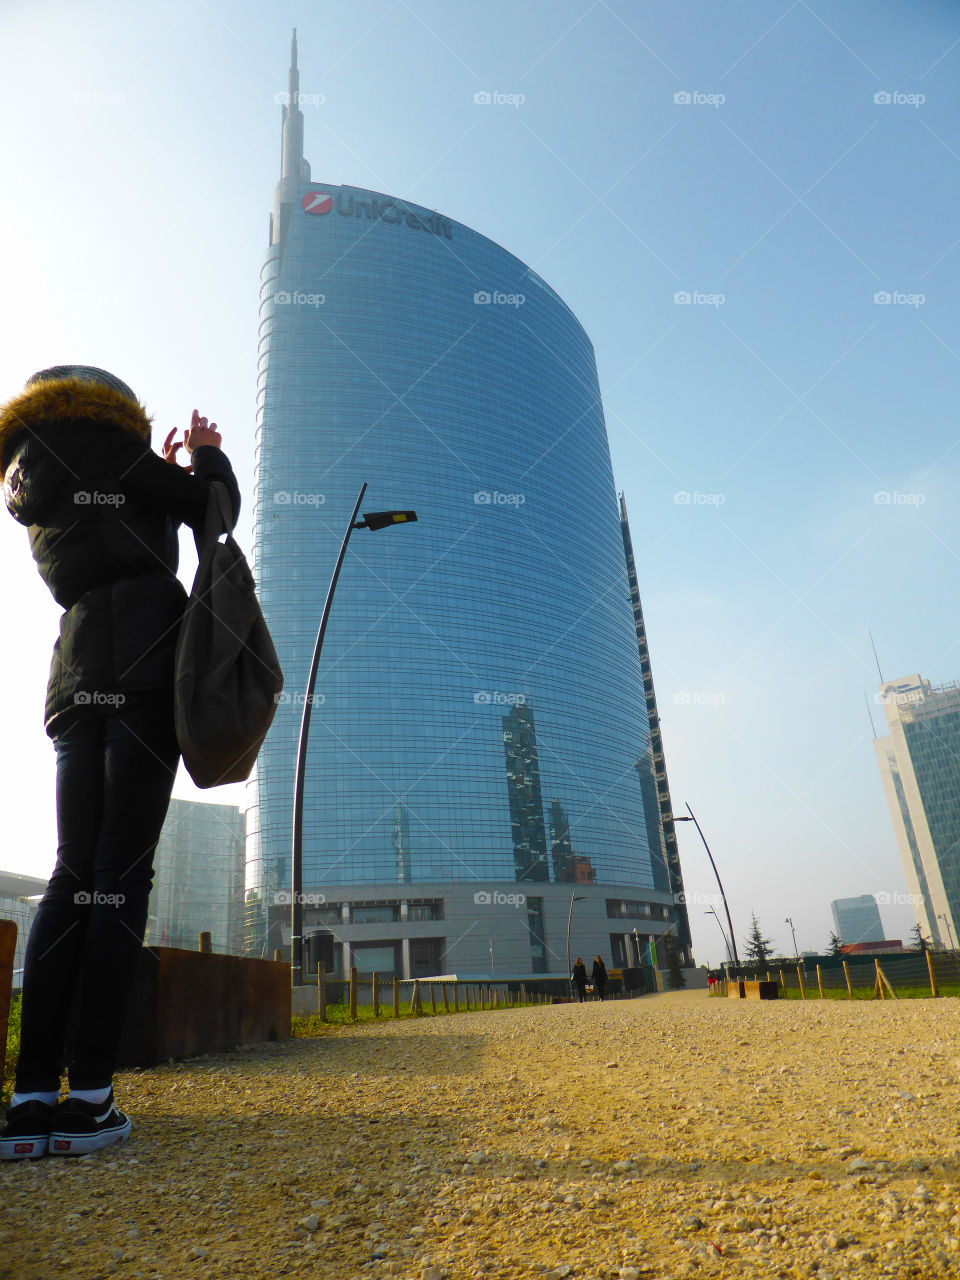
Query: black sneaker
(26, 1134)
(81, 1127)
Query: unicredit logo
(351, 203)
(317, 202)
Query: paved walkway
(670, 1136)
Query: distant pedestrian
(579, 979)
(599, 976)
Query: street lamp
(710, 912)
(574, 897)
(941, 916)
(796, 953)
(733, 940)
(371, 520)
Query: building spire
(291, 164)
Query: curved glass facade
(480, 712)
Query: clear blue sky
(138, 159)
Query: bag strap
(218, 518)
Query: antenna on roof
(873, 728)
(875, 658)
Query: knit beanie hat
(85, 373)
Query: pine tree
(918, 940)
(759, 948)
(835, 945)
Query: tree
(675, 975)
(918, 940)
(759, 948)
(835, 945)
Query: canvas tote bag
(228, 677)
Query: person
(579, 979)
(102, 510)
(599, 976)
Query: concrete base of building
(490, 928)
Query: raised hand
(199, 433)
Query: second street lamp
(733, 940)
(796, 953)
(710, 912)
(372, 520)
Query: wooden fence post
(933, 981)
(820, 981)
(322, 990)
(783, 983)
(456, 997)
(416, 1005)
(803, 994)
(483, 1003)
(882, 978)
(396, 996)
(433, 998)
(846, 974)
(376, 994)
(353, 993)
(446, 998)
(278, 954)
(205, 943)
(8, 950)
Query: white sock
(91, 1095)
(49, 1097)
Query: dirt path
(659, 1138)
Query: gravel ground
(670, 1136)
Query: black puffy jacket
(103, 510)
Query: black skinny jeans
(115, 775)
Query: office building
(480, 710)
(198, 878)
(920, 767)
(857, 919)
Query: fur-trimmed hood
(46, 405)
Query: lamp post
(796, 953)
(710, 912)
(941, 916)
(373, 520)
(733, 940)
(573, 898)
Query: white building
(920, 766)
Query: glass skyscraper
(479, 741)
(920, 767)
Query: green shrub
(12, 1049)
